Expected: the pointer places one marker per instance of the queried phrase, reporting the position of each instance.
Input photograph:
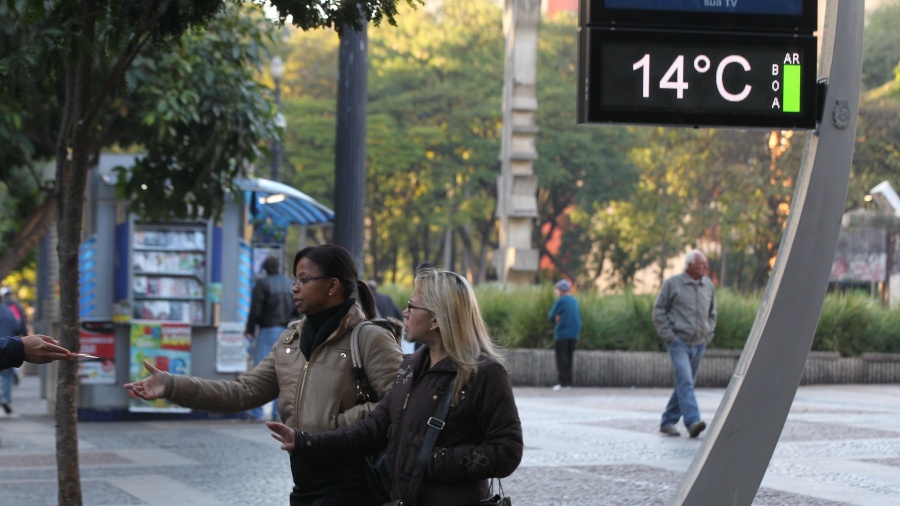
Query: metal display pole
(350, 145)
(732, 461)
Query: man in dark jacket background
(271, 309)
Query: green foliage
(881, 45)
(854, 323)
(876, 157)
(23, 284)
(200, 116)
(433, 136)
(580, 169)
(523, 324)
(338, 15)
(517, 318)
(619, 322)
(18, 191)
(736, 314)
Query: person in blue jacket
(566, 315)
(36, 349)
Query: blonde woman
(482, 436)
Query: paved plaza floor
(585, 446)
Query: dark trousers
(565, 350)
(330, 484)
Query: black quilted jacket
(482, 437)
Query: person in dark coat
(482, 436)
(10, 377)
(384, 305)
(271, 309)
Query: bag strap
(354, 345)
(364, 392)
(435, 425)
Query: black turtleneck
(319, 326)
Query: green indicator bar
(791, 87)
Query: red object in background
(98, 339)
(162, 363)
(554, 6)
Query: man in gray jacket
(685, 317)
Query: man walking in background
(566, 314)
(685, 317)
(17, 326)
(271, 309)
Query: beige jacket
(313, 396)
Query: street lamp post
(276, 68)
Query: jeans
(6, 378)
(686, 362)
(265, 340)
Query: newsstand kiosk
(174, 294)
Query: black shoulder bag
(378, 471)
(435, 425)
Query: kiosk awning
(267, 198)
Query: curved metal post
(731, 462)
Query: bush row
(850, 323)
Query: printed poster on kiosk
(98, 339)
(166, 345)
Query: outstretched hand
(284, 435)
(151, 387)
(41, 349)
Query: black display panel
(697, 79)
(799, 16)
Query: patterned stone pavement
(591, 446)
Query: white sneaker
(557, 388)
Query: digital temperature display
(697, 79)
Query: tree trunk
(72, 151)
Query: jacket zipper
(300, 393)
(315, 354)
(306, 370)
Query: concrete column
(516, 259)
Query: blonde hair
(464, 335)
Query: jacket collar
(419, 359)
(353, 317)
(689, 280)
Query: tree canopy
(881, 45)
(63, 69)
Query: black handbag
(499, 499)
(378, 471)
